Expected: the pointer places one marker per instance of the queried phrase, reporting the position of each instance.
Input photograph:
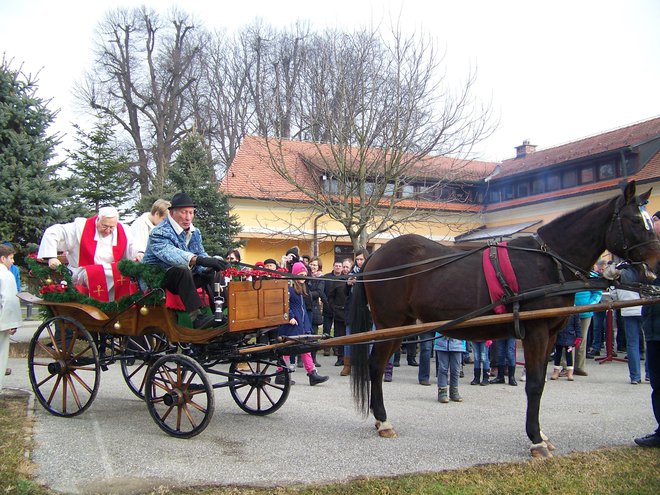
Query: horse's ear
(644, 197)
(629, 192)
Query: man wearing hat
(176, 245)
(93, 247)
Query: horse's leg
(535, 346)
(377, 362)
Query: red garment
(96, 281)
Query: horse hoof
(540, 452)
(390, 433)
(551, 446)
(377, 425)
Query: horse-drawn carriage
(163, 362)
(435, 288)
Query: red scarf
(88, 243)
(96, 281)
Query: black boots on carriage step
(203, 321)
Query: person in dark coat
(651, 326)
(567, 340)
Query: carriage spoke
(81, 381)
(49, 350)
(74, 391)
(55, 387)
(197, 406)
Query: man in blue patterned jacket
(176, 245)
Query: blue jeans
(633, 326)
(425, 350)
(347, 348)
(449, 367)
(506, 352)
(481, 359)
(599, 330)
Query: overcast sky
(554, 71)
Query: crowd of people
(320, 302)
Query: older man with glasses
(93, 246)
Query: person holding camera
(176, 245)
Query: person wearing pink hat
(300, 323)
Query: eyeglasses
(106, 227)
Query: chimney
(525, 149)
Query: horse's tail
(360, 319)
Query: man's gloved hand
(217, 264)
(578, 341)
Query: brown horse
(409, 280)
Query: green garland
(48, 279)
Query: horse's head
(630, 234)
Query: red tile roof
(630, 135)
(251, 174)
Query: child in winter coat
(449, 358)
(300, 323)
(567, 340)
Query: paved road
(115, 447)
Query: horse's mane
(573, 216)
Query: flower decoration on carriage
(246, 274)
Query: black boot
(500, 375)
(512, 376)
(315, 378)
(477, 376)
(485, 381)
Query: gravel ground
(318, 436)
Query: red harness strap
(495, 288)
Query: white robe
(66, 237)
(10, 315)
(140, 230)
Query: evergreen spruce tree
(193, 173)
(101, 168)
(32, 197)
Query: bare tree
(394, 135)
(144, 70)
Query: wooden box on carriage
(258, 304)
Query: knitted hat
(299, 268)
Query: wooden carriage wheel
(63, 366)
(179, 395)
(139, 353)
(254, 389)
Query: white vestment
(66, 237)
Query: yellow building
(499, 200)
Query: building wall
(270, 228)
